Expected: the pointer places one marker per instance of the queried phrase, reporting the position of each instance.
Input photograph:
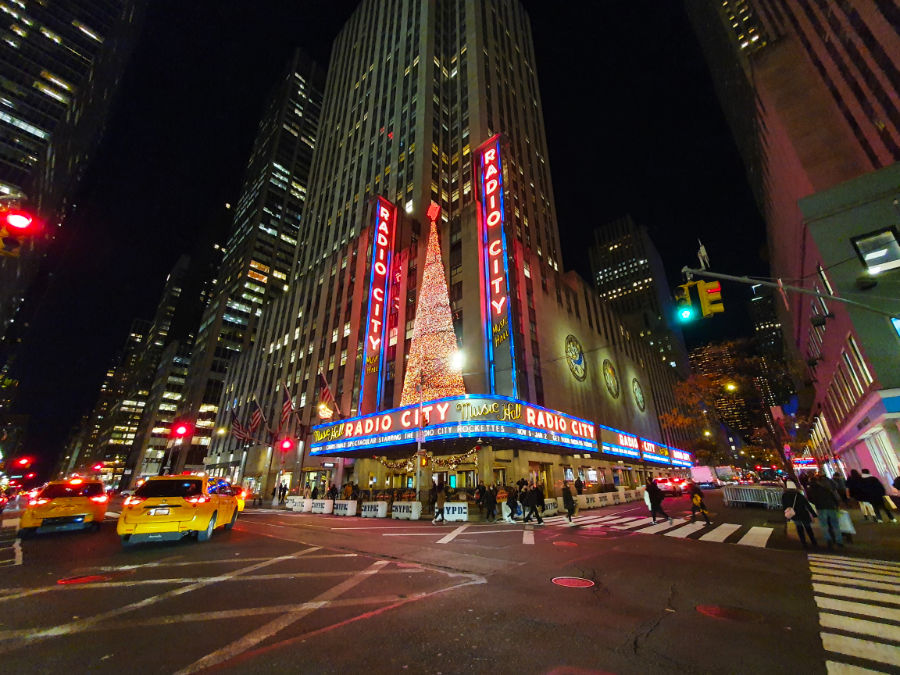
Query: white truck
(705, 476)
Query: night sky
(631, 117)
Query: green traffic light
(686, 314)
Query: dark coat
(579, 486)
(822, 496)
(796, 500)
(512, 499)
(568, 499)
(872, 489)
(855, 487)
(656, 495)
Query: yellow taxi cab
(220, 486)
(74, 504)
(167, 508)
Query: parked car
(669, 486)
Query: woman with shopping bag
(798, 510)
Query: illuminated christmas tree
(433, 340)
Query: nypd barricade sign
(322, 505)
(345, 507)
(306, 505)
(293, 502)
(587, 501)
(550, 507)
(456, 511)
(374, 509)
(406, 510)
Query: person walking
(855, 491)
(531, 501)
(874, 492)
(568, 500)
(841, 484)
(797, 509)
(579, 485)
(439, 504)
(512, 502)
(490, 503)
(697, 503)
(826, 502)
(654, 499)
(315, 492)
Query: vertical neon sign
(496, 311)
(371, 382)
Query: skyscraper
(432, 112)
(817, 103)
(261, 247)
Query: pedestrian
(579, 485)
(841, 486)
(522, 483)
(490, 503)
(697, 503)
(439, 504)
(653, 496)
(896, 482)
(855, 491)
(306, 492)
(539, 498)
(568, 500)
(531, 501)
(826, 502)
(513, 503)
(874, 493)
(315, 492)
(433, 497)
(282, 493)
(797, 509)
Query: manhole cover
(572, 582)
(89, 579)
(564, 543)
(730, 613)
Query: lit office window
(879, 251)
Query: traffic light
(287, 445)
(181, 429)
(15, 226)
(97, 467)
(710, 293)
(23, 462)
(685, 309)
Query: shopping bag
(845, 522)
(889, 503)
(867, 509)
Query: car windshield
(170, 488)
(58, 490)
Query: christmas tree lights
(433, 341)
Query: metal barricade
(739, 495)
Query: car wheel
(26, 532)
(207, 533)
(233, 518)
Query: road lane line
(853, 574)
(615, 521)
(75, 626)
(874, 629)
(661, 527)
(849, 580)
(849, 592)
(861, 649)
(835, 568)
(17, 549)
(528, 535)
(685, 530)
(756, 536)
(854, 562)
(721, 533)
(835, 668)
(276, 625)
(185, 563)
(638, 523)
(858, 608)
(450, 536)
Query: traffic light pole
(688, 272)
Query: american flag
(257, 418)
(325, 395)
(286, 408)
(237, 429)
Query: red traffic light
(287, 444)
(18, 219)
(181, 429)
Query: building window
(879, 251)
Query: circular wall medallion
(575, 358)
(611, 378)
(638, 392)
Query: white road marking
(661, 527)
(112, 514)
(262, 633)
(858, 608)
(861, 649)
(852, 580)
(835, 668)
(226, 561)
(855, 562)
(79, 624)
(756, 536)
(857, 593)
(450, 536)
(17, 548)
(685, 530)
(833, 567)
(411, 534)
(528, 536)
(721, 533)
(637, 523)
(616, 521)
(883, 631)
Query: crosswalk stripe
(861, 649)
(661, 527)
(876, 611)
(614, 522)
(855, 562)
(835, 567)
(849, 624)
(721, 533)
(637, 523)
(757, 536)
(835, 668)
(685, 530)
(850, 580)
(856, 593)
(853, 574)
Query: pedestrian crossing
(731, 533)
(859, 613)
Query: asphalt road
(287, 592)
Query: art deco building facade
(818, 99)
(266, 231)
(436, 105)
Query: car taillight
(38, 502)
(243, 494)
(198, 500)
(100, 499)
(131, 501)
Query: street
(296, 592)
